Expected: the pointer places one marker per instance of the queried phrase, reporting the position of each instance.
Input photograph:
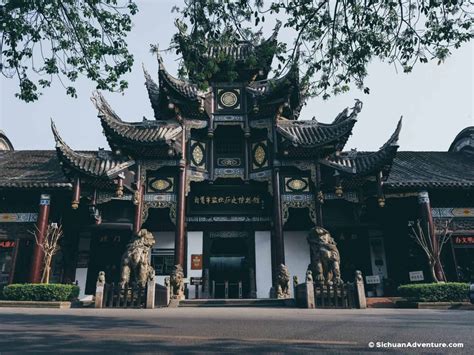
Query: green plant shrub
(435, 292)
(41, 292)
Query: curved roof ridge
(363, 163)
(103, 106)
(153, 92)
(89, 164)
(344, 115)
(312, 133)
(180, 86)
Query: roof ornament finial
(357, 106)
(393, 140)
(59, 141)
(105, 111)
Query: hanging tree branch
(401, 32)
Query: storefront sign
(196, 281)
(372, 279)
(6, 244)
(18, 217)
(227, 200)
(463, 241)
(196, 262)
(453, 212)
(416, 275)
(45, 200)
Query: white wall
(195, 241)
(263, 263)
(297, 256)
(81, 273)
(163, 240)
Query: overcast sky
(435, 101)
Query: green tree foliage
(336, 40)
(44, 39)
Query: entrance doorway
(230, 258)
(106, 253)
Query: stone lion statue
(177, 282)
(136, 259)
(101, 277)
(325, 259)
(283, 282)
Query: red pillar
(179, 240)
(318, 197)
(137, 223)
(428, 227)
(41, 230)
(278, 240)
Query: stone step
(261, 302)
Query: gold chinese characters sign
(227, 200)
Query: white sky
(435, 101)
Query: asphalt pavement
(232, 330)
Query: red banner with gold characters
(6, 244)
(463, 241)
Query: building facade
(230, 180)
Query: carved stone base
(282, 288)
(177, 283)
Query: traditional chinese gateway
(229, 181)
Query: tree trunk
(433, 272)
(46, 270)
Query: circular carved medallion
(229, 99)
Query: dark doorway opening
(230, 258)
(107, 249)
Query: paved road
(193, 330)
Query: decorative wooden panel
(198, 154)
(259, 155)
(296, 184)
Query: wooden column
(277, 239)
(11, 277)
(179, 241)
(318, 196)
(41, 230)
(427, 224)
(137, 222)
(76, 193)
(247, 158)
(210, 135)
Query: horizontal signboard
(416, 275)
(464, 241)
(18, 217)
(227, 200)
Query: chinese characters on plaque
(227, 200)
(463, 240)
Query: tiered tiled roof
(185, 95)
(365, 163)
(275, 92)
(88, 164)
(31, 169)
(147, 138)
(431, 170)
(307, 138)
(236, 55)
